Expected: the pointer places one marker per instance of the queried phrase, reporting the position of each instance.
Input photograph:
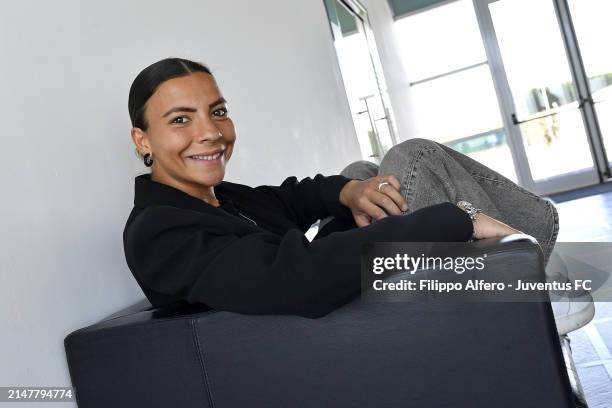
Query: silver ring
(382, 184)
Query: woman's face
(187, 117)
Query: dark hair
(150, 78)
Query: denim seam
(412, 174)
(555, 230)
(504, 182)
(511, 185)
(545, 250)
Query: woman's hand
(487, 227)
(367, 202)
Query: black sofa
(387, 354)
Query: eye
(220, 113)
(179, 122)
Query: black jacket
(180, 248)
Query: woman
(194, 237)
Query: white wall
(67, 163)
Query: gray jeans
(431, 173)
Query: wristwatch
(469, 208)
(471, 211)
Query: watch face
(463, 204)
(468, 208)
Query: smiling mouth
(211, 158)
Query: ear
(140, 140)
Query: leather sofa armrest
(362, 354)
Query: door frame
(581, 81)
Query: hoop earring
(147, 160)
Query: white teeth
(213, 157)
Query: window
(453, 91)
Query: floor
(592, 344)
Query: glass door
(363, 78)
(544, 106)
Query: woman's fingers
(390, 178)
(389, 199)
(393, 191)
(372, 210)
(372, 203)
(362, 220)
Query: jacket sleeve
(311, 198)
(264, 273)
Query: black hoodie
(250, 254)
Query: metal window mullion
(445, 74)
(381, 151)
(581, 83)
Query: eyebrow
(188, 109)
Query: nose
(208, 131)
